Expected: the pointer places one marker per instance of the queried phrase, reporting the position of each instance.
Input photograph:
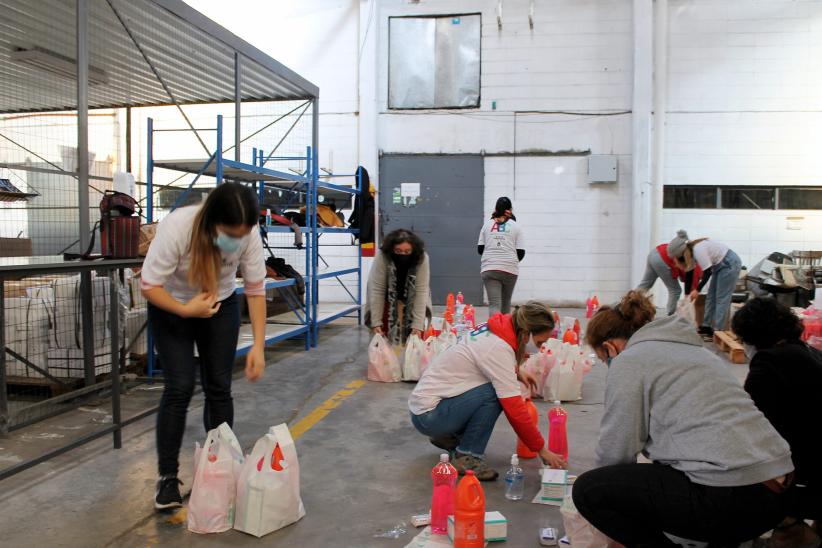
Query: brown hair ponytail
(204, 268)
(622, 321)
(532, 317)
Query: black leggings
(635, 503)
(216, 340)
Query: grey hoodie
(671, 399)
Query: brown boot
(480, 468)
(794, 533)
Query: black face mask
(403, 260)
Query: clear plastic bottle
(514, 480)
(444, 477)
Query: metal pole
(150, 361)
(238, 100)
(218, 154)
(82, 186)
(128, 140)
(315, 141)
(309, 253)
(359, 248)
(4, 404)
(114, 322)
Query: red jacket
(514, 407)
(677, 272)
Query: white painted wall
(744, 108)
(742, 99)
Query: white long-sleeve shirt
(167, 262)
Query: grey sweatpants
(499, 286)
(656, 268)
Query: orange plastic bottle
(570, 337)
(450, 304)
(577, 329)
(469, 513)
(522, 450)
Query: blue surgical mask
(227, 243)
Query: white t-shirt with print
(167, 261)
(480, 359)
(709, 253)
(501, 241)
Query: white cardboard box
(496, 527)
(553, 484)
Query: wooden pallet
(728, 343)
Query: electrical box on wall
(602, 168)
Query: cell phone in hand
(548, 536)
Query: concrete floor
(363, 468)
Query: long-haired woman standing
(189, 280)
(501, 246)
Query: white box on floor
(496, 527)
(553, 484)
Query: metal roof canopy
(131, 42)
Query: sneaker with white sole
(168, 495)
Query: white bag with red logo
(268, 489)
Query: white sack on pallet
(68, 324)
(26, 331)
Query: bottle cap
(444, 457)
(557, 402)
(469, 472)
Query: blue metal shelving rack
(313, 314)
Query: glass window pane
(800, 198)
(748, 198)
(434, 62)
(689, 197)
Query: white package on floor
(268, 490)
(582, 533)
(26, 332)
(383, 365)
(412, 364)
(217, 466)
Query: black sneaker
(168, 494)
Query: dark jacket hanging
(362, 217)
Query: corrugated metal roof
(193, 55)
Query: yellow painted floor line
(307, 423)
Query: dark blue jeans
(471, 417)
(216, 340)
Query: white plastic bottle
(514, 480)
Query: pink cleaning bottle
(444, 477)
(557, 430)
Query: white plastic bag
(581, 533)
(538, 366)
(412, 364)
(685, 309)
(564, 382)
(213, 494)
(446, 339)
(429, 352)
(383, 365)
(268, 490)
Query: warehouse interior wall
(738, 103)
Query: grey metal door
(440, 198)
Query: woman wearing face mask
(399, 297)
(720, 471)
(502, 246)
(716, 260)
(463, 391)
(189, 280)
(785, 375)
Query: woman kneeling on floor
(720, 471)
(785, 376)
(463, 391)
